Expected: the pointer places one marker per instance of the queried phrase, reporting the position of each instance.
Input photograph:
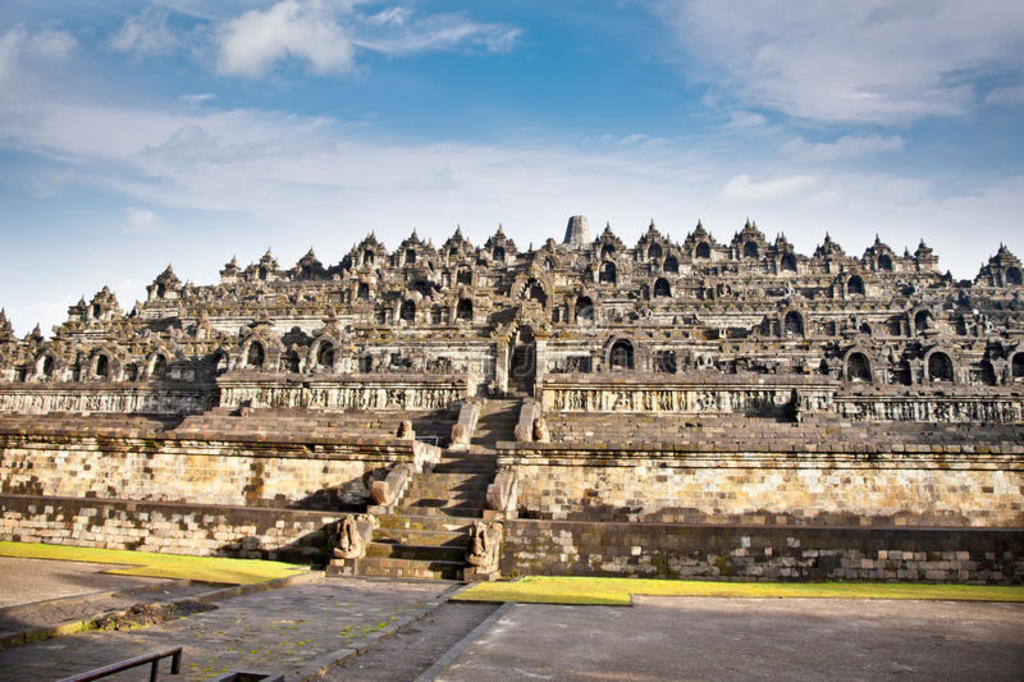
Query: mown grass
(150, 564)
(618, 591)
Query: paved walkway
(30, 580)
(280, 630)
(749, 639)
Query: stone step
(451, 479)
(443, 500)
(427, 510)
(462, 468)
(437, 488)
(416, 552)
(424, 522)
(411, 568)
(435, 498)
(447, 538)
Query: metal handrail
(154, 659)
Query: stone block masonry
(212, 471)
(192, 529)
(770, 488)
(648, 550)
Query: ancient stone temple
(694, 408)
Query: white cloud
(52, 43)
(253, 43)
(143, 221)
(1010, 94)
(846, 147)
(11, 43)
(400, 32)
(146, 35)
(198, 98)
(745, 119)
(327, 35)
(849, 60)
(745, 188)
(17, 43)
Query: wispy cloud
(1009, 94)
(401, 32)
(846, 147)
(326, 36)
(143, 221)
(849, 60)
(198, 98)
(744, 188)
(146, 35)
(250, 45)
(17, 43)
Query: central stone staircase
(427, 534)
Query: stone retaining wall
(901, 489)
(648, 550)
(243, 472)
(198, 530)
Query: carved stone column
(501, 365)
(541, 368)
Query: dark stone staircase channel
(497, 422)
(427, 534)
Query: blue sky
(133, 134)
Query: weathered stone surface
(654, 550)
(691, 382)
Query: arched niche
(157, 366)
(788, 262)
(1017, 366)
(255, 355)
(654, 252)
(855, 286)
(607, 274)
(325, 354)
(221, 362)
(45, 365)
(858, 367)
(662, 288)
(923, 321)
(750, 250)
(464, 310)
(290, 362)
(584, 309)
(703, 251)
(939, 367)
(885, 262)
(621, 355)
(407, 311)
(988, 373)
(793, 324)
(672, 265)
(1013, 276)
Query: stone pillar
(541, 368)
(501, 365)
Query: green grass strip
(151, 564)
(618, 591)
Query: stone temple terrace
(694, 408)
